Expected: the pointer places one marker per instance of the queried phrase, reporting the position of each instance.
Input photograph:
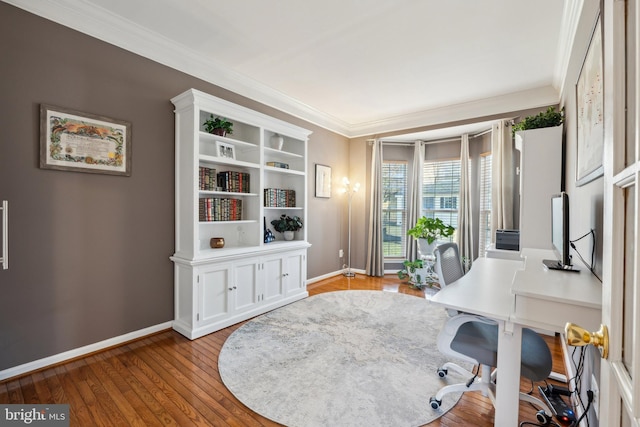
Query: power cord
(591, 266)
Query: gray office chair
(474, 339)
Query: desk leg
(508, 379)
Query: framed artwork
(323, 181)
(225, 150)
(76, 141)
(589, 108)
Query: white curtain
(375, 255)
(465, 222)
(415, 198)
(501, 178)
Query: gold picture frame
(72, 140)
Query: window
(449, 202)
(440, 191)
(394, 208)
(484, 235)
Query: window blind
(484, 234)
(394, 208)
(440, 191)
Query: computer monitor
(560, 233)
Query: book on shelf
(218, 209)
(278, 165)
(208, 179)
(279, 198)
(232, 181)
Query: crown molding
(568, 30)
(87, 18)
(497, 105)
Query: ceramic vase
(277, 141)
(425, 249)
(288, 235)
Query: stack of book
(208, 179)
(278, 165)
(236, 182)
(279, 198)
(215, 209)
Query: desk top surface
(492, 285)
(536, 281)
(484, 290)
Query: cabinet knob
(230, 289)
(235, 287)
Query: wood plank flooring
(167, 380)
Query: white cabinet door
(272, 278)
(243, 289)
(295, 271)
(213, 293)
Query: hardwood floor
(168, 380)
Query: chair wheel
(442, 372)
(543, 418)
(435, 403)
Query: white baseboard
(81, 351)
(334, 273)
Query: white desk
(549, 299)
(521, 294)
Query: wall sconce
(349, 190)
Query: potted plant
(287, 225)
(547, 119)
(416, 272)
(218, 126)
(427, 231)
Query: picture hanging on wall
(323, 181)
(75, 141)
(589, 109)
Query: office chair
(474, 339)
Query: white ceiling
(357, 67)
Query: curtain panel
(375, 256)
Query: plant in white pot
(427, 232)
(416, 273)
(287, 225)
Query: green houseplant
(287, 223)
(218, 126)
(431, 229)
(546, 119)
(416, 272)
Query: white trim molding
(82, 351)
(104, 25)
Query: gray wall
(586, 202)
(89, 253)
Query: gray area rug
(347, 358)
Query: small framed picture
(323, 181)
(225, 150)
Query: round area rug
(347, 358)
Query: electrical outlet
(340, 253)
(596, 395)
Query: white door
(213, 293)
(243, 288)
(619, 379)
(295, 272)
(272, 278)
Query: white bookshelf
(215, 288)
